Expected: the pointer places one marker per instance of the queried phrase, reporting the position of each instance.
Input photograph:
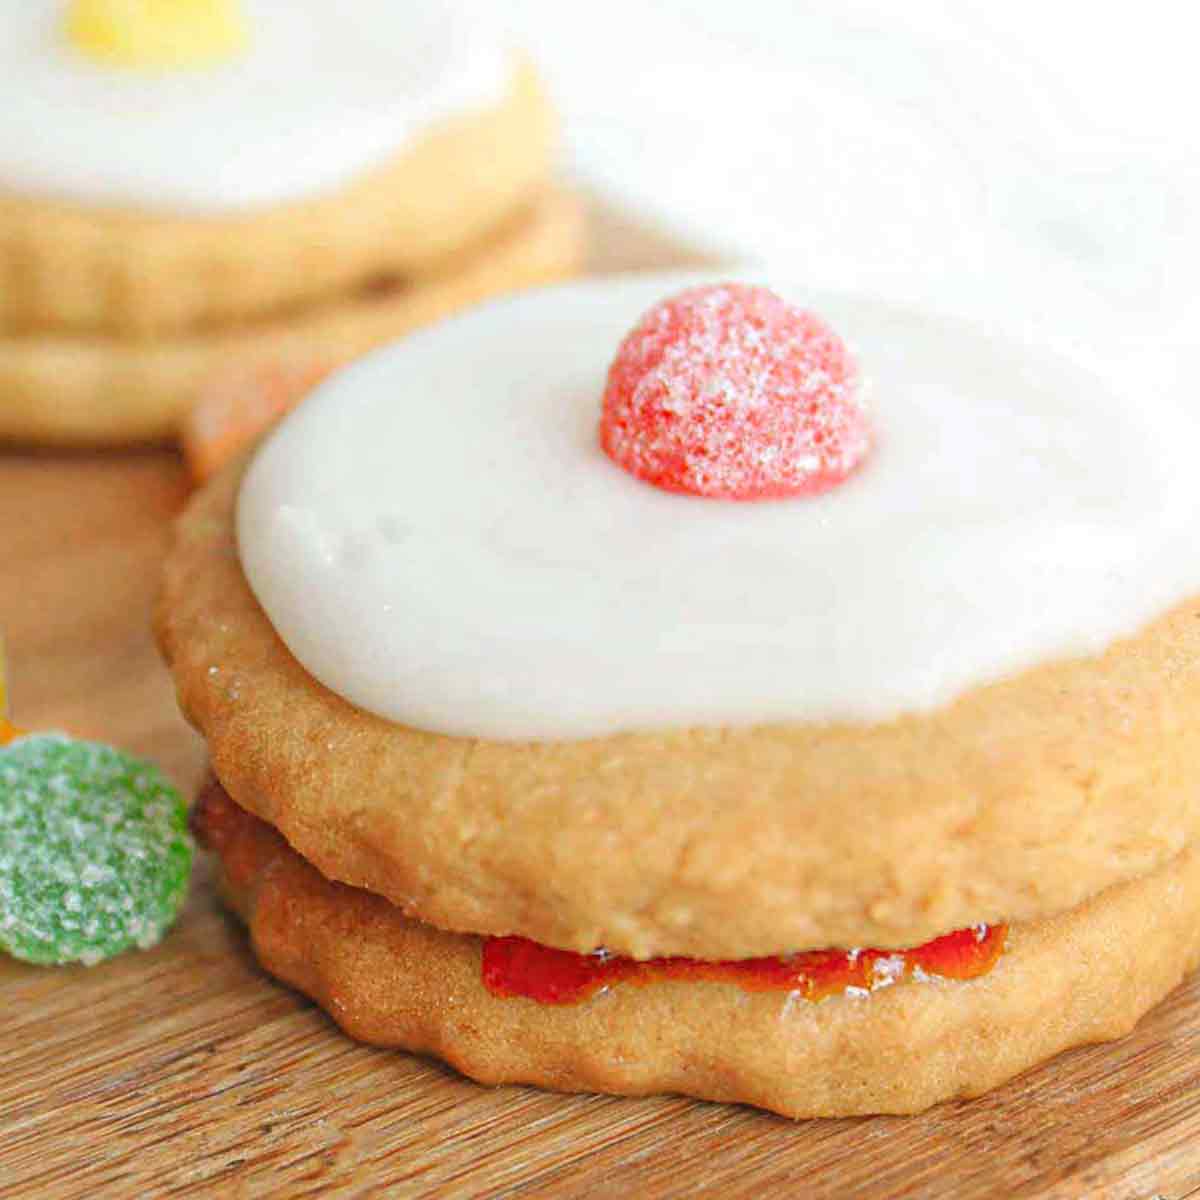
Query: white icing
(438, 538)
(323, 92)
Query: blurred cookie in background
(219, 182)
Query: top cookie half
(520, 697)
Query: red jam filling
(515, 966)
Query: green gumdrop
(95, 853)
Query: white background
(1029, 163)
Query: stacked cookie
(870, 787)
(289, 187)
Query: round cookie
(69, 389)
(1017, 801)
(1086, 975)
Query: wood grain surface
(184, 1071)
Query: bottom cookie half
(1085, 976)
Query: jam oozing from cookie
(515, 966)
(730, 392)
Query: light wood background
(186, 1072)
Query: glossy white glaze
(438, 538)
(323, 92)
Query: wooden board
(186, 1072)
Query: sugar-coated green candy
(95, 853)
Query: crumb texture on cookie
(1085, 976)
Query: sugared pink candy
(730, 392)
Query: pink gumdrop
(730, 392)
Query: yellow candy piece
(156, 34)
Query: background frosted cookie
(945, 677)
(171, 209)
(68, 388)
